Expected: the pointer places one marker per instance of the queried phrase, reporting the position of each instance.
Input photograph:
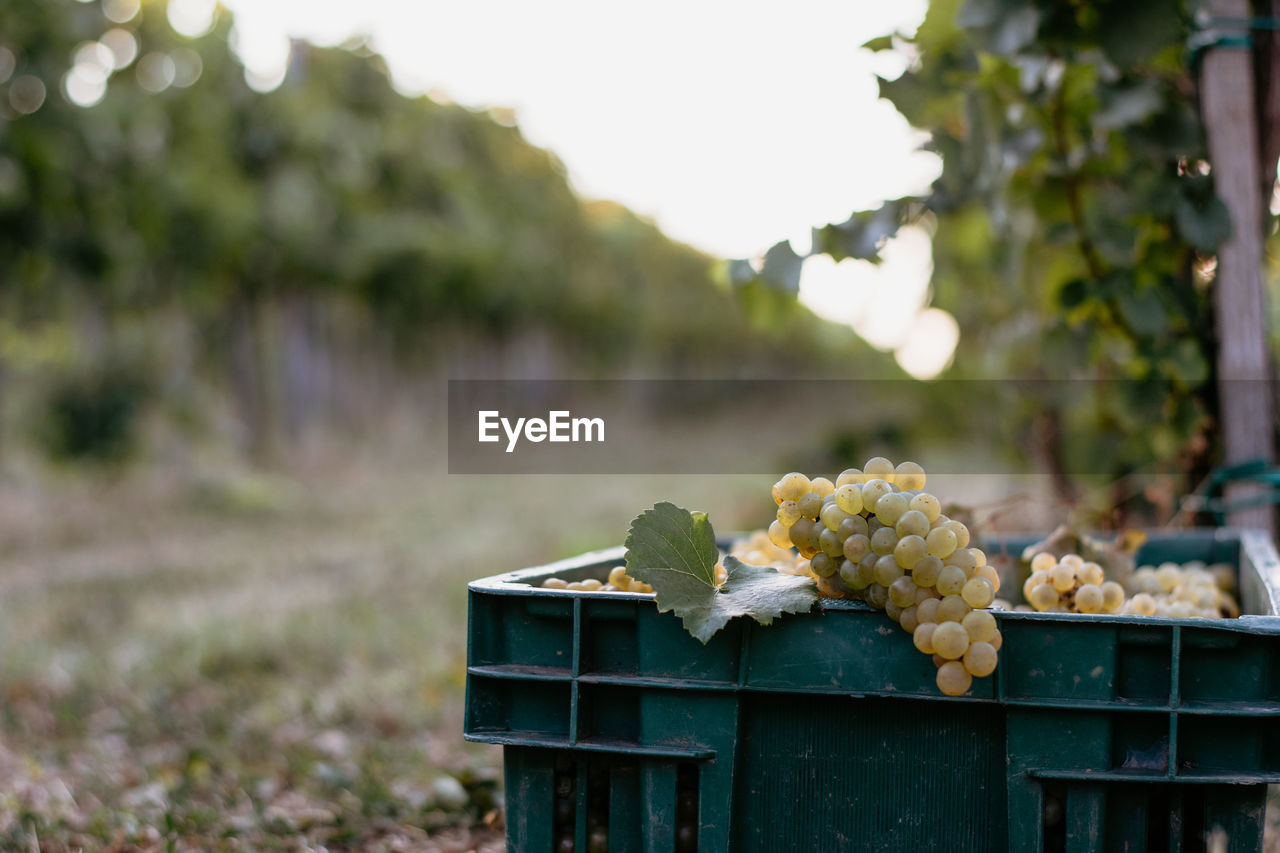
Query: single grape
(1043, 597)
(793, 485)
(941, 542)
(832, 515)
(997, 641)
(849, 498)
(876, 595)
(878, 466)
(961, 532)
(1089, 598)
(831, 544)
(1142, 580)
(950, 640)
(590, 584)
(990, 575)
(1075, 561)
(1043, 562)
(1062, 577)
(910, 619)
(830, 587)
(966, 559)
(890, 508)
(867, 570)
(1112, 596)
(873, 524)
(851, 475)
(856, 547)
(1206, 599)
(873, 490)
(555, 583)
(821, 486)
(926, 571)
(779, 535)
(924, 593)
(927, 610)
(809, 504)
(1168, 576)
(788, 513)
(978, 592)
(909, 551)
(927, 504)
(1224, 576)
(913, 523)
(952, 608)
(980, 659)
(851, 575)
(908, 475)
(884, 540)
(980, 624)
(922, 637)
(954, 679)
(887, 570)
(892, 610)
(854, 524)
(822, 565)
(1091, 573)
(951, 580)
(777, 493)
(618, 577)
(802, 537)
(902, 592)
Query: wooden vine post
(1230, 119)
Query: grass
(244, 662)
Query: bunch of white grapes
(1070, 585)
(1190, 590)
(876, 535)
(619, 581)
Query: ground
(199, 657)
(195, 656)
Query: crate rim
(1256, 544)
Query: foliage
(92, 416)
(674, 550)
(1074, 220)
(389, 222)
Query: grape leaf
(674, 550)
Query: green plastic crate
(826, 731)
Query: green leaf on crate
(674, 550)
(668, 541)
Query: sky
(731, 124)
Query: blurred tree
(288, 244)
(1075, 224)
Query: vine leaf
(674, 550)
